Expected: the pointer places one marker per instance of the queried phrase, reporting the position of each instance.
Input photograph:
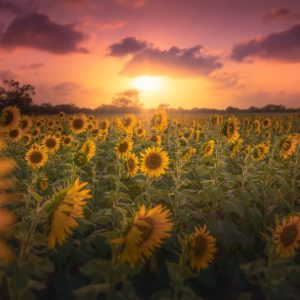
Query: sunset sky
(192, 53)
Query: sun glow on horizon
(147, 83)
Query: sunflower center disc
(78, 123)
(123, 147)
(153, 161)
(36, 157)
(146, 230)
(288, 235)
(200, 246)
(51, 143)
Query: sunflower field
(149, 207)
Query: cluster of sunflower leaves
(149, 207)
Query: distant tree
(13, 93)
(127, 98)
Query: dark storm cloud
(9, 6)
(33, 66)
(179, 62)
(128, 45)
(281, 14)
(36, 30)
(284, 45)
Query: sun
(147, 83)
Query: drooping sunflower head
(89, 148)
(154, 162)
(287, 236)
(288, 146)
(132, 164)
(236, 147)
(78, 124)
(188, 153)
(231, 129)
(208, 148)
(202, 248)
(123, 148)
(10, 117)
(36, 156)
(66, 207)
(51, 143)
(149, 228)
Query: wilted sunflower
(132, 164)
(10, 117)
(260, 151)
(202, 248)
(288, 146)
(188, 153)
(36, 156)
(287, 236)
(51, 143)
(123, 148)
(89, 148)
(146, 233)
(67, 206)
(231, 129)
(208, 148)
(154, 161)
(78, 124)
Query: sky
(191, 53)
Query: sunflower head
(10, 117)
(123, 148)
(36, 156)
(51, 143)
(231, 129)
(287, 236)
(188, 153)
(154, 162)
(78, 124)
(208, 148)
(89, 149)
(25, 123)
(288, 146)
(202, 248)
(132, 164)
(15, 134)
(260, 151)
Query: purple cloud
(128, 45)
(66, 88)
(6, 75)
(281, 14)
(284, 45)
(179, 62)
(38, 31)
(10, 7)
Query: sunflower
(236, 147)
(123, 148)
(208, 148)
(140, 132)
(146, 234)
(202, 248)
(287, 236)
(155, 138)
(42, 183)
(51, 143)
(266, 123)
(36, 156)
(132, 164)
(15, 134)
(67, 140)
(188, 153)
(260, 151)
(104, 124)
(128, 123)
(160, 120)
(154, 161)
(35, 133)
(288, 146)
(26, 139)
(231, 129)
(89, 148)
(62, 114)
(10, 117)
(25, 123)
(103, 134)
(67, 206)
(78, 124)
(217, 120)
